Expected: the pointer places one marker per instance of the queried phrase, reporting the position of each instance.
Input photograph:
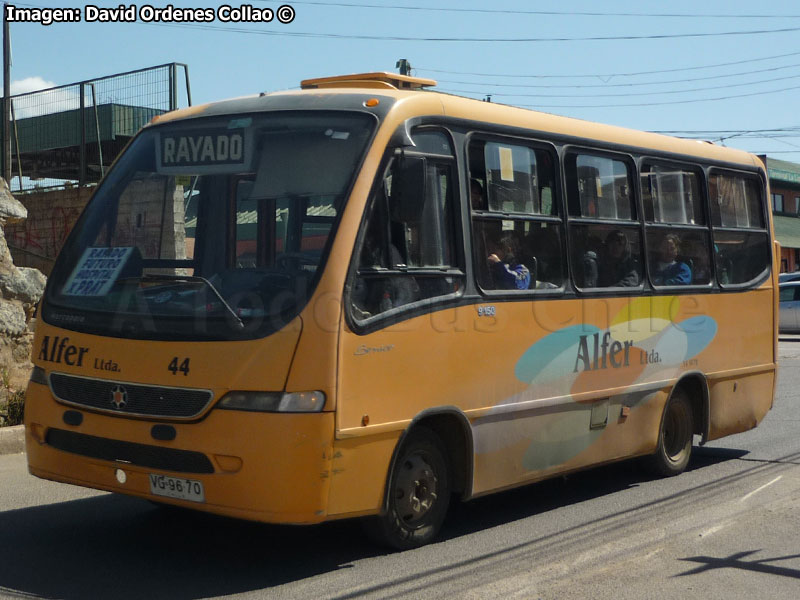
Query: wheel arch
(452, 427)
(695, 384)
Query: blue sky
(691, 72)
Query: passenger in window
(619, 268)
(724, 265)
(476, 195)
(544, 245)
(374, 295)
(590, 262)
(371, 253)
(697, 259)
(507, 272)
(668, 269)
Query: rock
(24, 284)
(15, 367)
(11, 209)
(12, 319)
(6, 263)
(21, 351)
(20, 290)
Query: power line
(612, 85)
(708, 132)
(492, 40)
(562, 106)
(610, 75)
(308, 34)
(519, 12)
(629, 94)
(544, 12)
(322, 35)
(774, 152)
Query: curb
(12, 439)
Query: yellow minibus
(365, 298)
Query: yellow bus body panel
(528, 430)
(268, 467)
(217, 366)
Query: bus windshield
(211, 228)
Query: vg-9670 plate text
(177, 487)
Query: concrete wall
(141, 211)
(51, 216)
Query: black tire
(675, 437)
(419, 493)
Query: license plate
(177, 487)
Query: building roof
(783, 171)
(787, 231)
(50, 144)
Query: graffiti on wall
(52, 215)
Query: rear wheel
(419, 493)
(675, 437)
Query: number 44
(175, 369)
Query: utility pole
(6, 99)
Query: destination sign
(201, 150)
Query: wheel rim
(676, 432)
(415, 490)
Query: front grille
(140, 455)
(129, 398)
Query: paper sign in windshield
(96, 271)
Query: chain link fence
(69, 135)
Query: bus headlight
(274, 401)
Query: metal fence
(69, 135)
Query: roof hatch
(369, 80)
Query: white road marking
(755, 491)
(714, 529)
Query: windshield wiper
(152, 278)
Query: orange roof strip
(393, 79)
(354, 83)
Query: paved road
(727, 528)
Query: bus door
(406, 271)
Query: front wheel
(675, 437)
(419, 493)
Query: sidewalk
(12, 439)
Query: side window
(408, 249)
(246, 225)
(606, 239)
(741, 241)
(777, 203)
(517, 232)
(671, 194)
(736, 201)
(283, 232)
(513, 182)
(601, 187)
(787, 293)
(318, 219)
(678, 241)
